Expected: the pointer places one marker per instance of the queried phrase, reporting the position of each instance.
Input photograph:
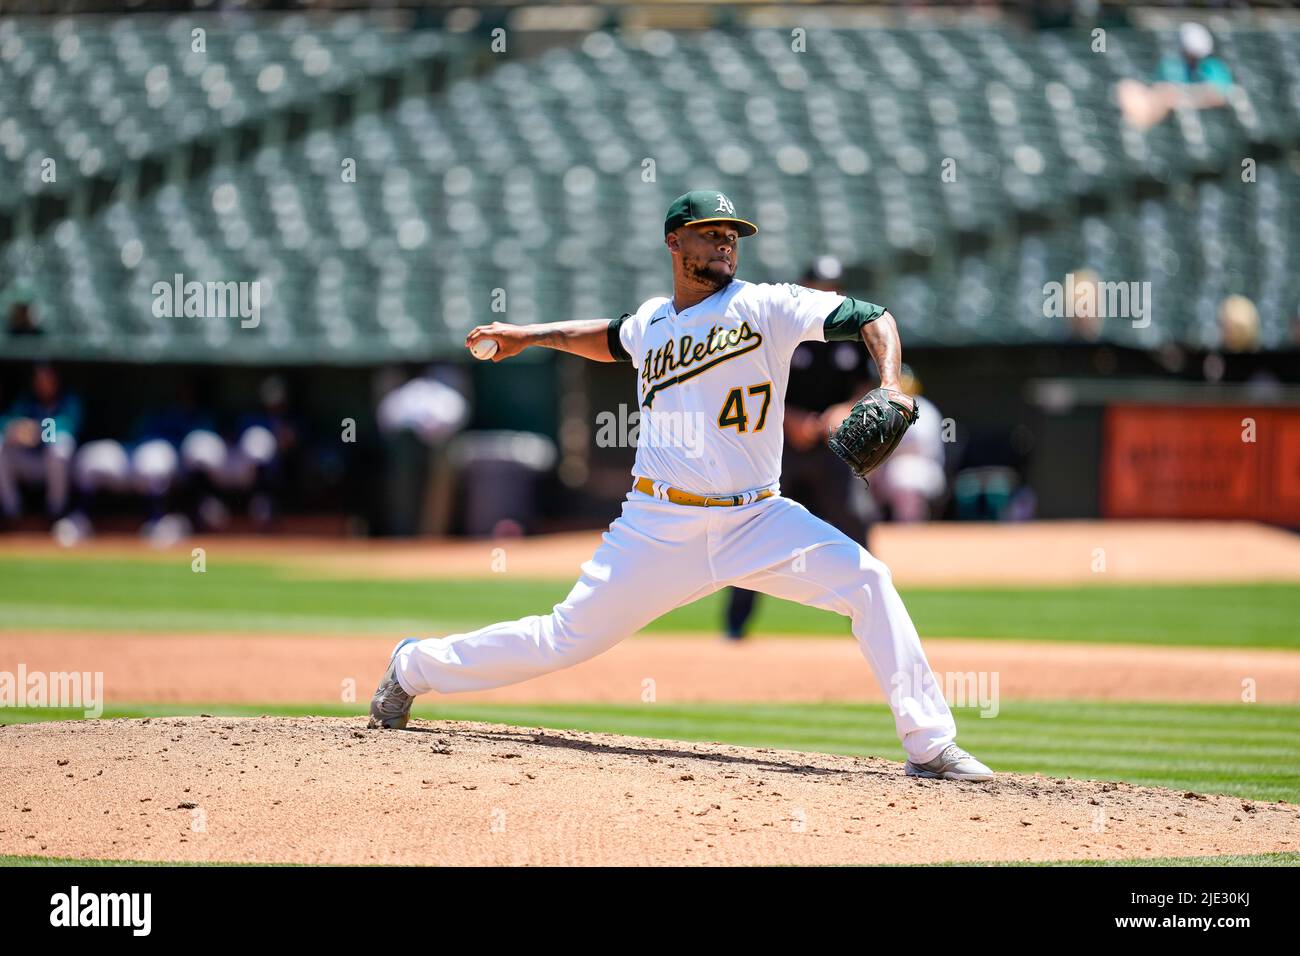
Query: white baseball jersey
(713, 381)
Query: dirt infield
(271, 669)
(940, 554)
(320, 790)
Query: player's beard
(709, 276)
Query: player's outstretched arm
(586, 337)
(886, 348)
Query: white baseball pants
(658, 556)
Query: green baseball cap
(705, 205)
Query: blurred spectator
(988, 485)
(499, 470)
(1196, 66)
(1239, 324)
(1238, 340)
(179, 462)
(426, 406)
(1084, 315)
(263, 439)
(913, 477)
(164, 445)
(22, 321)
(416, 419)
(39, 437)
(16, 305)
(1195, 79)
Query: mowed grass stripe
(154, 595)
(1225, 725)
(1031, 745)
(1052, 738)
(876, 726)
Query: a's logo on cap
(724, 205)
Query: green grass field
(1245, 750)
(164, 596)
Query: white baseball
(483, 349)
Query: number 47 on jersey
(734, 413)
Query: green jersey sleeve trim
(846, 322)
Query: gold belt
(679, 497)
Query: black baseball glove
(872, 431)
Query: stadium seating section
(529, 175)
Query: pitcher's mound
(325, 790)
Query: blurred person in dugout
(1238, 324)
(913, 478)
(179, 449)
(250, 463)
(417, 418)
(825, 380)
(1194, 79)
(1235, 358)
(18, 306)
(38, 435)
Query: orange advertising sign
(1193, 461)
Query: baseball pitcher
(705, 509)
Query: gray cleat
(953, 763)
(390, 708)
